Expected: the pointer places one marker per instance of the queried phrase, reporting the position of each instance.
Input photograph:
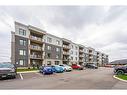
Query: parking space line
(21, 76)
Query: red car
(75, 66)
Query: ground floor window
(21, 62)
(48, 62)
(56, 62)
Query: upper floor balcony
(66, 53)
(33, 56)
(66, 47)
(35, 47)
(81, 56)
(81, 51)
(36, 39)
(80, 60)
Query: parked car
(92, 66)
(120, 70)
(46, 70)
(76, 66)
(66, 67)
(7, 70)
(57, 69)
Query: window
(71, 46)
(75, 58)
(22, 32)
(22, 42)
(76, 53)
(22, 52)
(49, 55)
(57, 56)
(56, 62)
(21, 62)
(49, 47)
(71, 58)
(76, 47)
(57, 49)
(71, 52)
(48, 62)
(57, 42)
(49, 39)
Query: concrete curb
(119, 79)
(29, 72)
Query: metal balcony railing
(36, 38)
(36, 56)
(65, 46)
(35, 47)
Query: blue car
(57, 69)
(46, 70)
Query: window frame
(22, 32)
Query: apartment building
(86, 55)
(91, 55)
(66, 51)
(81, 55)
(99, 58)
(28, 45)
(74, 53)
(104, 59)
(33, 46)
(53, 50)
(95, 57)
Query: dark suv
(7, 70)
(120, 70)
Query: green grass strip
(124, 77)
(25, 69)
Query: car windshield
(6, 65)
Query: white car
(66, 67)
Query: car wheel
(14, 77)
(43, 73)
(120, 72)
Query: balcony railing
(81, 56)
(66, 53)
(35, 47)
(36, 38)
(64, 59)
(65, 46)
(80, 50)
(35, 56)
(80, 60)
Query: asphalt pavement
(101, 78)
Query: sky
(101, 27)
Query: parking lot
(101, 78)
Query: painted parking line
(21, 76)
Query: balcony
(64, 59)
(66, 47)
(35, 47)
(36, 39)
(80, 51)
(66, 53)
(80, 60)
(35, 57)
(81, 56)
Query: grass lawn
(25, 69)
(124, 77)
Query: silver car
(7, 70)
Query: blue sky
(101, 27)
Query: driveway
(101, 78)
